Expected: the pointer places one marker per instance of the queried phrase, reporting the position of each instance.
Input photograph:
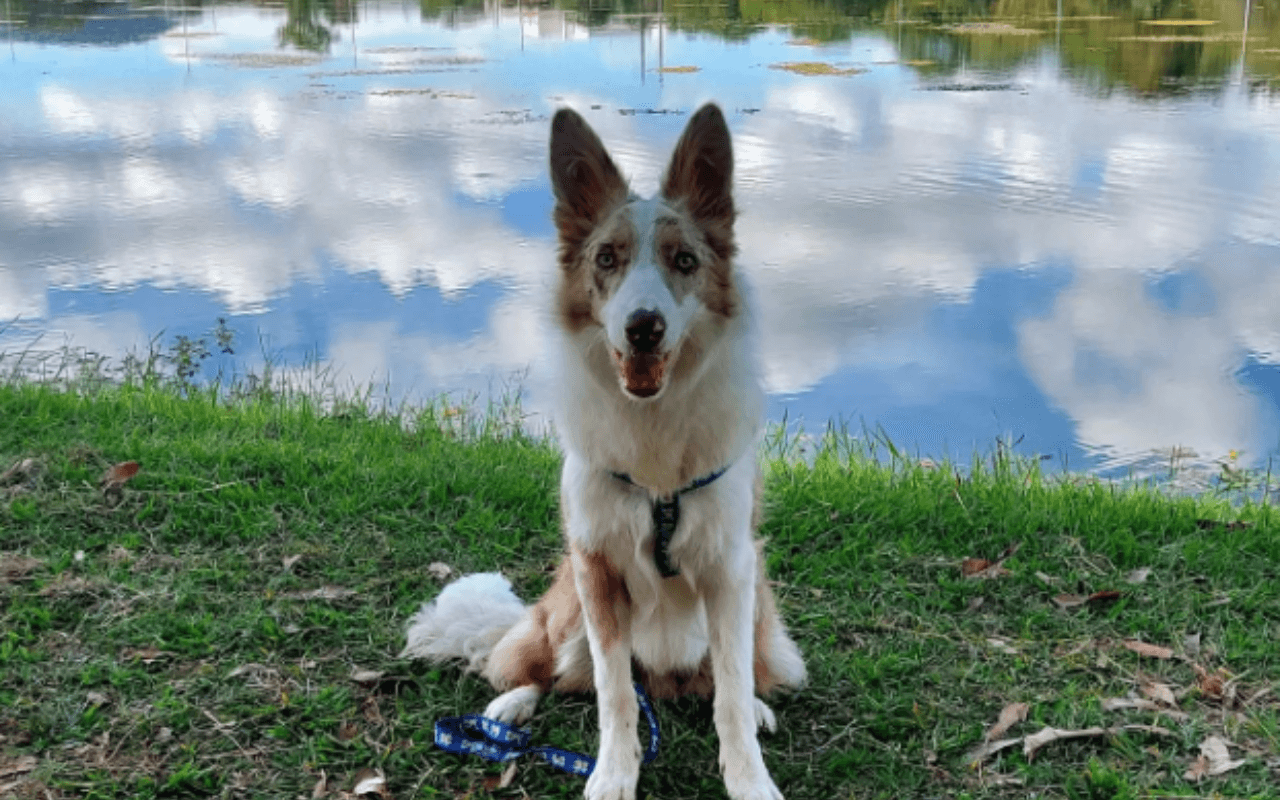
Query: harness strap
(666, 516)
(475, 734)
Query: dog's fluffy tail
(465, 621)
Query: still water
(1048, 221)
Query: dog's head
(649, 275)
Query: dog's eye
(686, 262)
(606, 260)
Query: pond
(1050, 223)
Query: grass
(195, 631)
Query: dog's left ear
(701, 169)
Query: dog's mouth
(642, 375)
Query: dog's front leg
(730, 598)
(606, 610)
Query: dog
(659, 409)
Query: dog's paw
(514, 707)
(611, 784)
(764, 717)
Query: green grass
(158, 641)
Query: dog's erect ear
(585, 181)
(701, 170)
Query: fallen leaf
(323, 593)
(321, 789)
(1214, 759)
(1198, 769)
(289, 561)
(1031, 744)
(366, 675)
(971, 567)
(118, 475)
(508, 775)
(23, 765)
(1010, 715)
(982, 568)
(1142, 704)
(1003, 646)
(1065, 601)
(439, 570)
(1070, 600)
(372, 713)
(997, 779)
(253, 670)
(370, 782)
(1047, 580)
(1149, 650)
(348, 731)
(147, 655)
(1160, 692)
(1210, 684)
(20, 471)
(1138, 575)
(988, 749)
(96, 698)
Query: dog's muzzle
(643, 369)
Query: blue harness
(497, 741)
(666, 515)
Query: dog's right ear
(586, 183)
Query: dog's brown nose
(645, 329)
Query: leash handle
(475, 734)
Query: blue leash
(497, 741)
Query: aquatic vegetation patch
(399, 49)
(1179, 22)
(815, 68)
(991, 29)
(262, 60)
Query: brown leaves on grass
(1214, 759)
(370, 783)
(988, 568)
(20, 766)
(1010, 715)
(1067, 601)
(15, 567)
(67, 584)
(1047, 735)
(116, 476)
(1032, 743)
(147, 655)
(1148, 650)
(20, 472)
(322, 593)
(16, 768)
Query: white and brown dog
(659, 412)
